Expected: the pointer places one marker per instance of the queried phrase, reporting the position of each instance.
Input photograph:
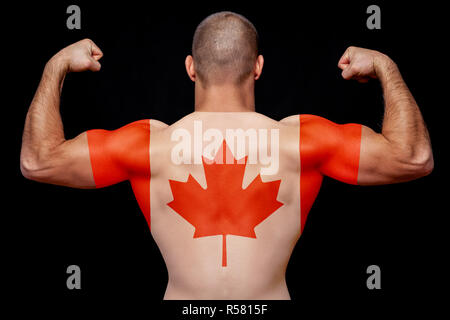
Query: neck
(225, 98)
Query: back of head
(224, 49)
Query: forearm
(403, 125)
(43, 129)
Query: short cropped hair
(225, 48)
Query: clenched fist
(80, 56)
(363, 64)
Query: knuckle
(86, 64)
(354, 68)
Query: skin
(256, 269)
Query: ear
(258, 67)
(189, 63)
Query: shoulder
(293, 120)
(326, 131)
(309, 121)
(317, 127)
(157, 125)
(311, 128)
(303, 119)
(316, 134)
(322, 137)
(144, 124)
(139, 129)
(132, 136)
(313, 121)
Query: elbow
(426, 166)
(40, 166)
(29, 168)
(420, 164)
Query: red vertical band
(224, 250)
(123, 154)
(326, 149)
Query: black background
(397, 227)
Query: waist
(227, 286)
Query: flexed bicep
(97, 158)
(354, 154)
(402, 150)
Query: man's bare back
(255, 267)
(226, 215)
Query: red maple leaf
(224, 207)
